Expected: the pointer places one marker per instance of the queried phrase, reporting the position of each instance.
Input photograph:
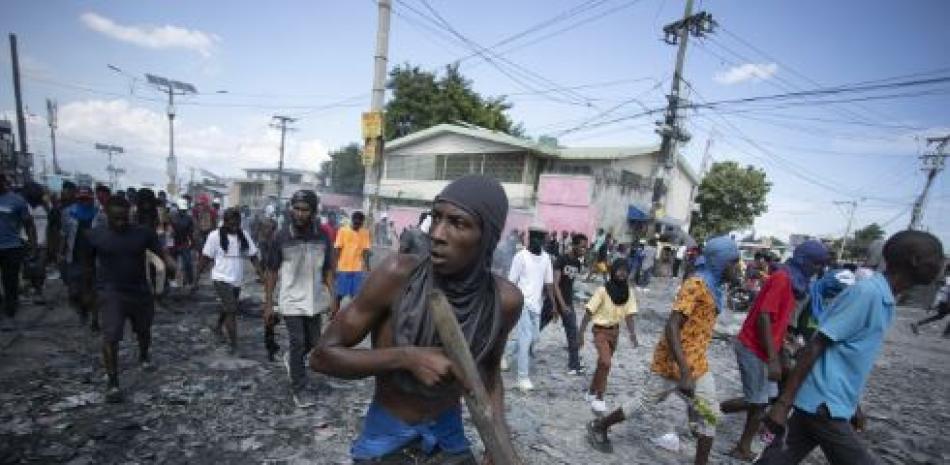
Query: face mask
(535, 247)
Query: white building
(571, 189)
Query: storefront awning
(635, 214)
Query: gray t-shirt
(301, 262)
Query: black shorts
(116, 307)
(228, 295)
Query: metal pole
(847, 230)
(20, 118)
(172, 162)
(280, 166)
(52, 110)
(380, 61)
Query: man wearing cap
(300, 262)
(14, 217)
(78, 220)
(415, 416)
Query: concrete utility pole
(707, 159)
(669, 129)
(280, 122)
(52, 112)
(933, 163)
(172, 88)
(847, 230)
(373, 148)
(110, 151)
(20, 117)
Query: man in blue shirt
(827, 383)
(14, 217)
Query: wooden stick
(498, 445)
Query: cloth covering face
(473, 294)
(806, 260)
(718, 254)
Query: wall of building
(519, 195)
(349, 202)
(564, 203)
(403, 217)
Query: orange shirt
(350, 245)
(698, 307)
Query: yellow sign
(372, 124)
(370, 152)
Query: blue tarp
(635, 214)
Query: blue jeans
(528, 331)
(185, 263)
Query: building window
(505, 167)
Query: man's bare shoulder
(511, 298)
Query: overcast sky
(313, 60)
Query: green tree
(858, 245)
(421, 99)
(344, 170)
(730, 197)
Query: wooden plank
(498, 445)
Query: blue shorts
(754, 372)
(348, 283)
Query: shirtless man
(417, 393)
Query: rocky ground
(204, 406)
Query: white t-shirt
(681, 252)
(530, 273)
(228, 265)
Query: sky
(578, 70)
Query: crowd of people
(809, 341)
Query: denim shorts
(756, 387)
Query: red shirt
(777, 300)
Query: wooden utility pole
(933, 163)
(373, 121)
(280, 122)
(669, 129)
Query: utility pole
(373, 120)
(933, 163)
(707, 159)
(280, 122)
(669, 129)
(52, 112)
(172, 88)
(847, 231)
(110, 151)
(19, 172)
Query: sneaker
(525, 384)
(304, 399)
(598, 406)
(147, 366)
(598, 439)
(576, 371)
(504, 364)
(113, 395)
